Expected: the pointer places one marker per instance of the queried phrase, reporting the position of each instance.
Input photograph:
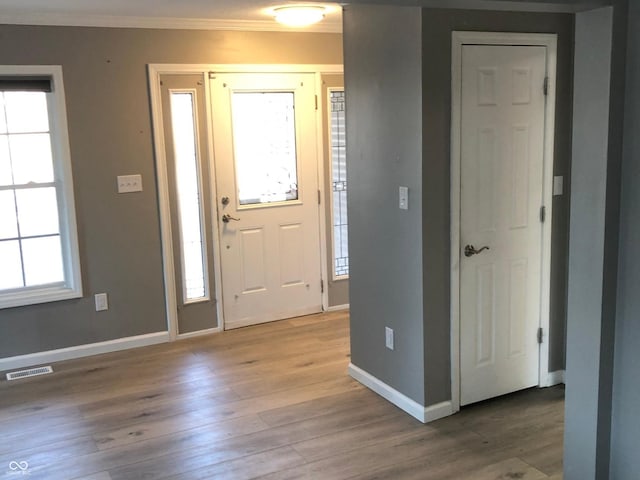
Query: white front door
(264, 130)
(502, 137)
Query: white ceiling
(216, 14)
(227, 14)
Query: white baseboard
(52, 356)
(199, 333)
(400, 400)
(337, 308)
(554, 378)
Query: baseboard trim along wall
(52, 356)
(554, 378)
(337, 308)
(199, 333)
(400, 400)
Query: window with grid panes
(38, 240)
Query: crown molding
(112, 21)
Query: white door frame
(492, 38)
(168, 267)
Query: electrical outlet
(102, 302)
(388, 338)
(129, 183)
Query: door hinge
(540, 333)
(316, 97)
(318, 197)
(321, 286)
(545, 86)
(212, 75)
(543, 214)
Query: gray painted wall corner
(625, 423)
(593, 261)
(383, 89)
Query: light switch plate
(558, 185)
(403, 198)
(102, 302)
(129, 183)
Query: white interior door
(264, 130)
(502, 137)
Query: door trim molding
(499, 38)
(168, 267)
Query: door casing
(154, 73)
(498, 38)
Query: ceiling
(214, 14)
(228, 14)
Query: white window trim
(72, 287)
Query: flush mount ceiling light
(299, 15)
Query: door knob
(470, 250)
(226, 218)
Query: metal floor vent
(31, 372)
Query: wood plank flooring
(272, 402)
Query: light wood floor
(270, 402)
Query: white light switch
(129, 183)
(558, 185)
(102, 302)
(403, 197)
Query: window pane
(189, 205)
(37, 211)
(31, 158)
(339, 183)
(11, 276)
(264, 136)
(5, 163)
(8, 222)
(42, 260)
(26, 112)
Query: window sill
(38, 295)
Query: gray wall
(382, 49)
(436, 44)
(593, 258)
(110, 134)
(589, 177)
(625, 461)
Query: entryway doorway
(243, 207)
(266, 162)
(502, 144)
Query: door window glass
(264, 140)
